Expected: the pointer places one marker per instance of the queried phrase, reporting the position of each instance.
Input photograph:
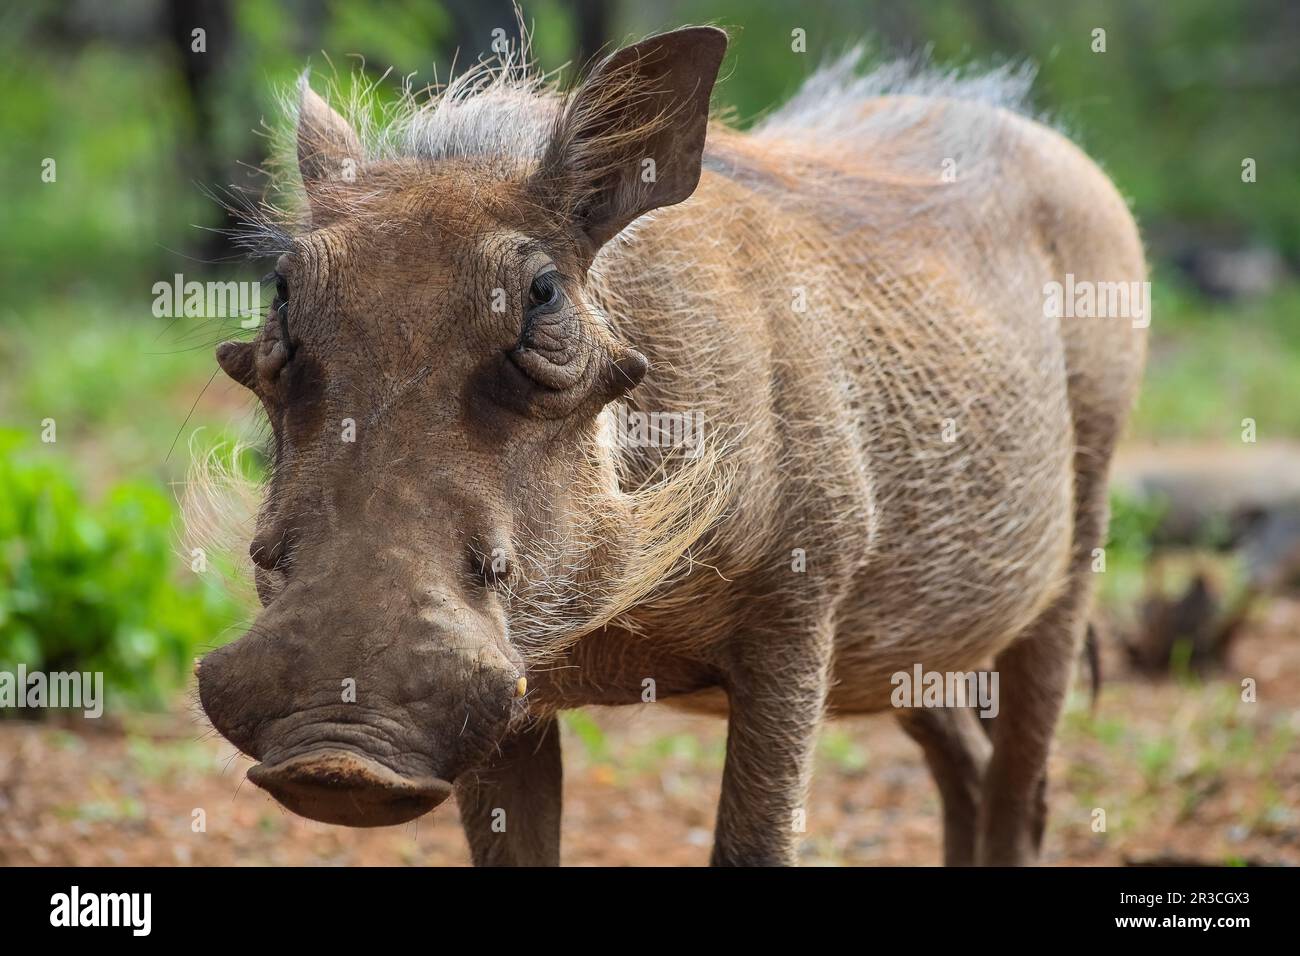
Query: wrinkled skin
(433, 373)
(455, 434)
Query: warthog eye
(281, 308)
(548, 351)
(545, 296)
(545, 291)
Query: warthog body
(901, 457)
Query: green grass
(1213, 364)
(167, 759)
(843, 751)
(118, 383)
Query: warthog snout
(355, 727)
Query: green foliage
(1156, 760)
(1132, 524)
(1183, 93)
(585, 728)
(93, 588)
(116, 176)
(1211, 364)
(842, 749)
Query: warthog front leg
(957, 752)
(777, 696)
(510, 810)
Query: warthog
(903, 461)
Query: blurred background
(115, 130)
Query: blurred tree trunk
(998, 23)
(474, 21)
(591, 28)
(896, 23)
(202, 71)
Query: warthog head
(434, 368)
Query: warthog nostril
(346, 788)
(490, 559)
(270, 549)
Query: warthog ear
(631, 137)
(236, 360)
(329, 152)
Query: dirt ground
(1182, 770)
